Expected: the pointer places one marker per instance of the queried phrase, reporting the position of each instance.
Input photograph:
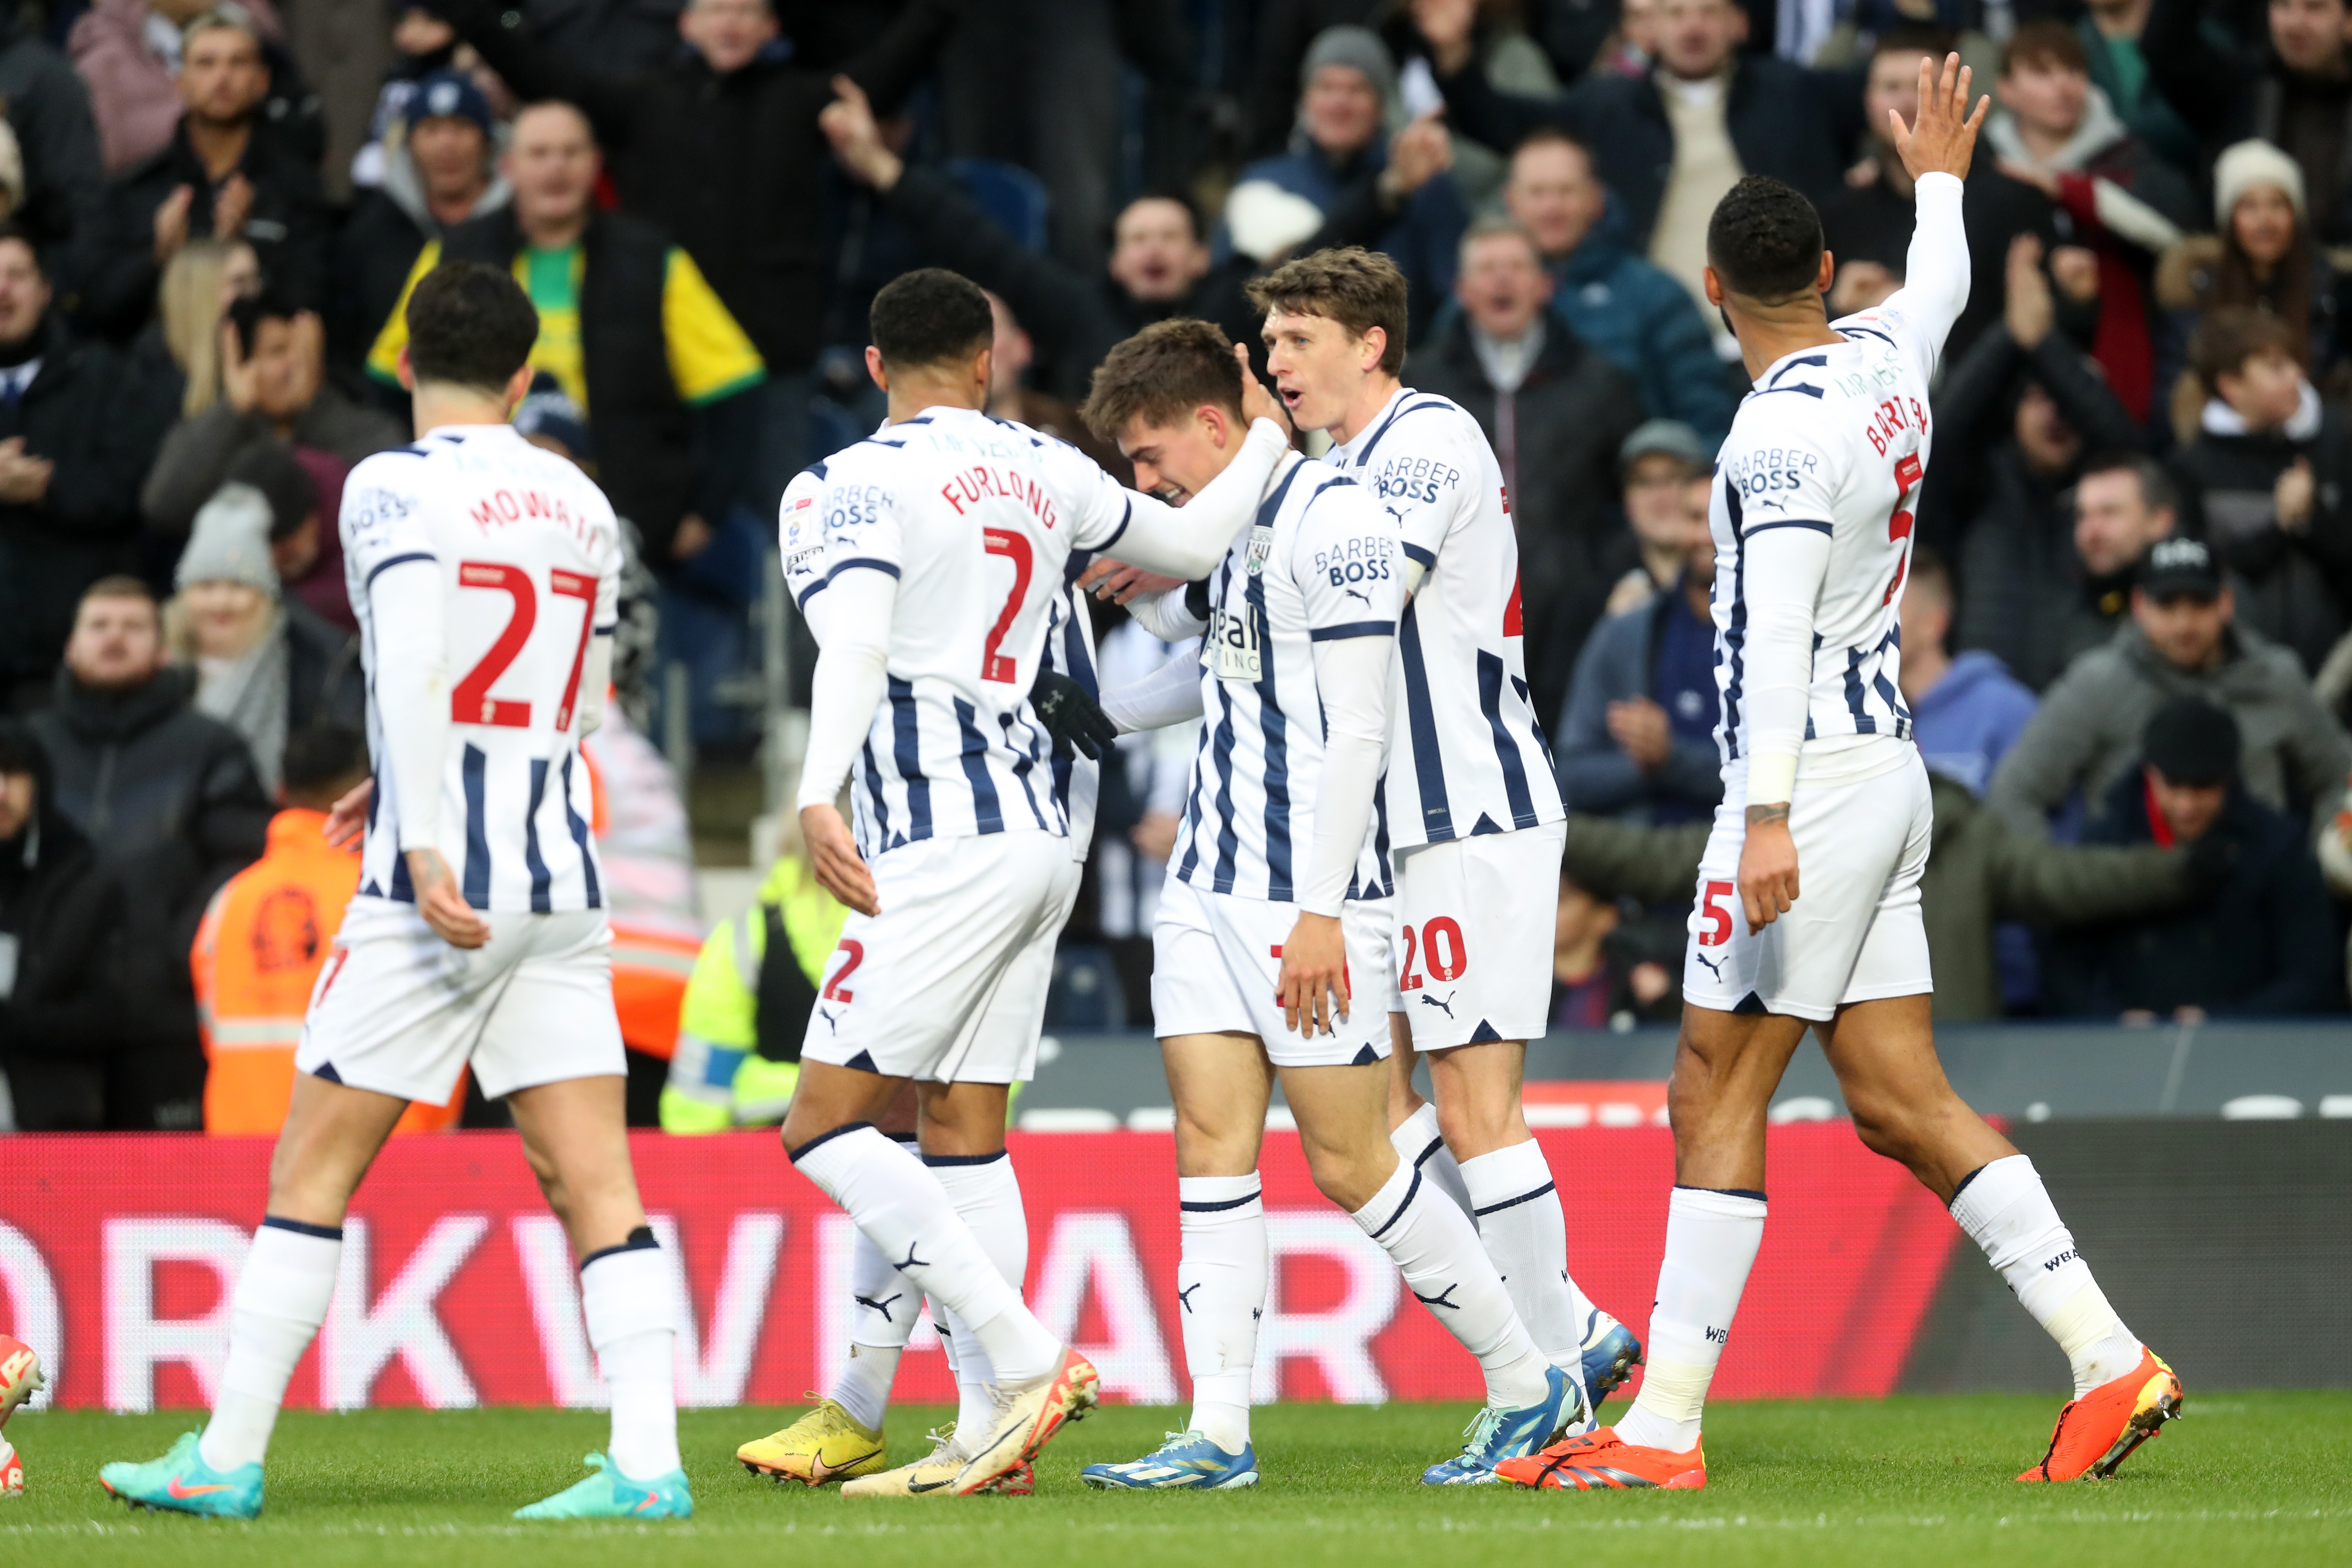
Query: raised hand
(1944, 139)
(856, 136)
(1257, 403)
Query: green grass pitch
(2251, 1478)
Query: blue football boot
(181, 1482)
(1494, 1435)
(1187, 1461)
(609, 1494)
(1610, 1352)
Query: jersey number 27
(471, 702)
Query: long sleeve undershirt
(851, 677)
(406, 611)
(1352, 678)
(1785, 566)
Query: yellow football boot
(827, 1444)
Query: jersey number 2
(471, 702)
(1014, 547)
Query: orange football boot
(1600, 1459)
(2098, 1431)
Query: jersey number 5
(1909, 471)
(994, 666)
(471, 702)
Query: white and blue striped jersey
(1322, 561)
(977, 518)
(530, 560)
(1466, 753)
(1833, 439)
(1070, 650)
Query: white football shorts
(401, 1012)
(1854, 933)
(1216, 967)
(947, 983)
(1474, 936)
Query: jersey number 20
(471, 702)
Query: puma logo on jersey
(1445, 1006)
(1352, 593)
(1714, 967)
(883, 1306)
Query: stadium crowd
(2127, 630)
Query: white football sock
(904, 1210)
(1711, 1242)
(280, 1299)
(1418, 1142)
(975, 1386)
(1433, 1245)
(986, 1191)
(2006, 1210)
(1524, 1231)
(626, 1295)
(1220, 1294)
(887, 1306)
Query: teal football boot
(181, 1482)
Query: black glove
(1073, 717)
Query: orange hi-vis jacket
(256, 957)
(647, 854)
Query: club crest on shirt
(1260, 545)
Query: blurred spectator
(1285, 28)
(223, 175)
(1511, 60)
(59, 189)
(131, 53)
(75, 433)
(1965, 713)
(169, 796)
(1619, 304)
(423, 44)
(2038, 600)
(2295, 93)
(1556, 413)
(2265, 944)
(439, 167)
(1161, 264)
(265, 937)
(1637, 738)
(1669, 144)
(1340, 149)
(627, 327)
(266, 665)
(1083, 96)
(1600, 981)
(1980, 876)
(202, 280)
(1867, 221)
(719, 147)
(274, 388)
(2262, 259)
(2034, 406)
(305, 547)
(2110, 31)
(2264, 482)
(2181, 643)
(2057, 134)
(1662, 465)
(59, 1025)
(1010, 395)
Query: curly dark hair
(1765, 241)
